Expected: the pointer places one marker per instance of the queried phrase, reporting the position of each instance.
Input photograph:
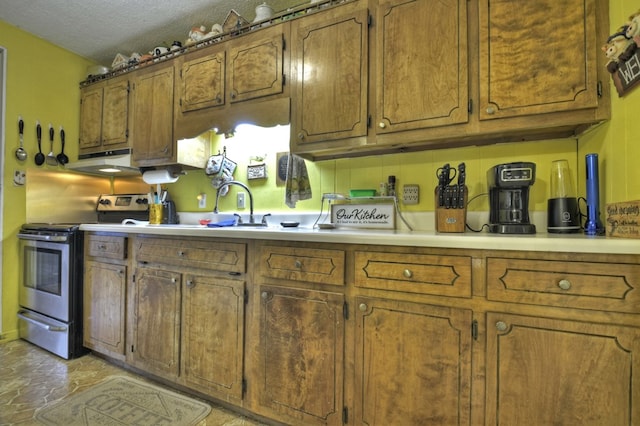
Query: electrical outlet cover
(410, 194)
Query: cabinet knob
(102, 247)
(173, 280)
(407, 273)
(190, 284)
(264, 295)
(491, 110)
(501, 326)
(564, 284)
(363, 307)
(233, 95)
(300, 135)
(181, 253)
(298, 264)
(219, 99)
(382, 125)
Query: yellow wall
(41, 84)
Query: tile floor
(31, 377)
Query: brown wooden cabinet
(553, 371)
(104, 116)
(189, 296)
(152, 132)
(105, 285)
(422, 64)
(298, 328)
(202, 82)
(300, 353)
(412, 362)
(329, 69)
(531, 64)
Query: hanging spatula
(51, 157)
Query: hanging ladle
(39, 156)
(62, 157)
(21, 154)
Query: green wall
(42, 83)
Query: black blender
(509, 198)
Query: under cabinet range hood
(109, 163)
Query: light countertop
(541, 241)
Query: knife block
(450, 219)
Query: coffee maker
(509, 198)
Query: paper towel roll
(159, 176)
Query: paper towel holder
(158, 176)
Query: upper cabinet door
(203, 82)
(91, 117)
(329, 63)
(422, 64)
(115, 113)
(537, 57)
(255, 65)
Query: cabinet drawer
(587, 285)
(220, 256)
(303, 264)
(105, 246)
(414, 273)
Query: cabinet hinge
(370, 20)
(180, 102)
(599, 89)
(345, 415)
(369, 122)
(470, 106)
(284, 79)
(180, 74)
(345, 310)
(474, 329)
(132, 348)
(284, 43)
(126, 134)
(133, 278)
(128, 86)
(246, 296)
(244, 386)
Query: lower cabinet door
(156, 322)
(413, 364)
(301, 354)
(543, 371)
(213, 335)
(104, 308)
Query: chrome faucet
(242, 185)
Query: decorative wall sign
(623, 219)
(381, 216)
(622, 51)
(282, 161)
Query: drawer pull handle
(407, 273)
(173, 280)
(491, 110)
(265, 295)
(102, 247)
(564, 284)
(363, 307)
(190, 284)
(181, 253)
(298, 264)
(501, 326)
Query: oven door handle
(24, 315)
(52, 238)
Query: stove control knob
(105, 202)
(142, 201)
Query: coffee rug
(124, 401)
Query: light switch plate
(410, 194)
(240, 200)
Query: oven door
(44, 278)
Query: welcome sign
(381, 216)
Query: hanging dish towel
(298, 186)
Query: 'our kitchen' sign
(364, 215)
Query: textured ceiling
(99, 29)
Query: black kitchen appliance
(563, 214)
(509, 197)
(50, 290)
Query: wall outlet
(202, 200)
(410, 194)
(240, 200)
